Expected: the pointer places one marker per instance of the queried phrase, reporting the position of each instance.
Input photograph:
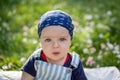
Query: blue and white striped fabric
(48, 71)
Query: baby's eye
(62, 39)
(47, 40)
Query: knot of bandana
(56, 18)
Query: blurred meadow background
(96, 34)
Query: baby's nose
(55, 44)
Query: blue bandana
(56, 18)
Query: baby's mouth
(56, 53)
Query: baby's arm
(28, 71)
(26, 76)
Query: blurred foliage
(96, 36)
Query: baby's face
(55, 42)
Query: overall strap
(37, 53)
(75, 60)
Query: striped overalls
(48, 71)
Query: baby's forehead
(64, 36)
(55, 29)
(55, 32)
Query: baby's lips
(56, 53)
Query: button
(68, 71)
